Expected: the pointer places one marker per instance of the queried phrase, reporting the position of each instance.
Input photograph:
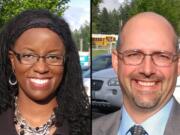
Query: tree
(96, 2)
(95, 15)
(10, 8)
(168, 8)
(76, 36)
(114, 21)
(104, 23)
(109, 22)
(84, 34)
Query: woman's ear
(115, 60)
(11, 57)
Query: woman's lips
(39, 83)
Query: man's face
(146, 85)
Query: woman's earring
(12, 79)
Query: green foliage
(98, 52)
(170, 9)
(10, 8)
(104, 21)
(95, 11)
(84, 34)
(96, 2)
(115, 21)
(94, 27)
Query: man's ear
(11, 59)
(178, 66)
(115, 60)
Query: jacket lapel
(173, 124)
(111, 124)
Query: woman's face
(38, 81)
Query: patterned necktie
(137, 130)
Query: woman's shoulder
(7, 123)
(63, 129)
(6, 115)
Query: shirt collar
(153, 124)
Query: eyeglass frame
(19, 57)
(174, 57)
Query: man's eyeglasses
(136, 57)
(30, 58)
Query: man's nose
(147, 66)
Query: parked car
(105, 88)
(87, 82)
(101, 62)
(84, 69)
(106, 91)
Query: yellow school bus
(104, 40)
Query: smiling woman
(41, 88)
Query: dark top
(7, 126)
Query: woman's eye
(53, 57)
(28, 56)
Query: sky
(77, 13)
(111, 4)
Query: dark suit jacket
(109, 124)
(7, 125)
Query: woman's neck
(35, 113)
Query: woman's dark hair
(73, 103)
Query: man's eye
(164, 56)
(134, 54)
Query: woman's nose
(41, 66)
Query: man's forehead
(146, 19)
(144, 22)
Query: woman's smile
(39, 83)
